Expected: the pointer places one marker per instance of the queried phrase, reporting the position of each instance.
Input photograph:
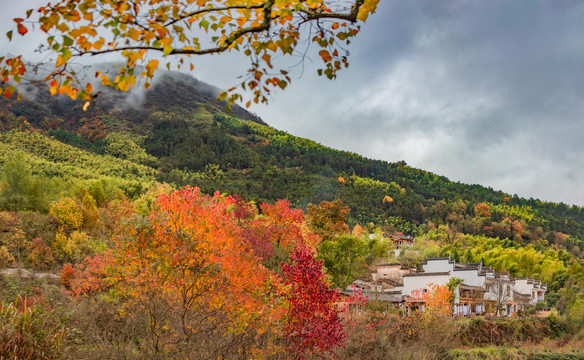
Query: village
(476, 289)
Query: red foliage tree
(313, 322)
(67, 275)
(274, 234)
(192, 268)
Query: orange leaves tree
(200, 283)
(436, 300)
(328, 219)
(184, 266)
(262, 29)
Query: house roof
(471, 288)
(379, 296)
(427, 274)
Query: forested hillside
(178, 129)
(68, 176)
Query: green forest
(76, 184)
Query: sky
(482, 92)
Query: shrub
(41, 255)
(68, 213)
(29, 332)
(67, 275)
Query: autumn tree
(328, 219)
(190, 269)
(68, 212)
(436, 298)
(482, 210)
(264, 30)
(184, 265)
(274, 233)
(313, 324)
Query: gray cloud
(481, 92)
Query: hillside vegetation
(72, 180)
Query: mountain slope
(177, 133)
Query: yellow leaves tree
(264, 30)
(68, 213)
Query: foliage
(261, 29)
(41, 255)
(21, 190)
(68, 213)
(27, 331)
(328, 219)
(347, 257)
(15, 245)
(436, 300)
(313, 324)
(183, 264)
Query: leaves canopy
(262, 29)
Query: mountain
(177, 133)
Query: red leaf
(22, 29)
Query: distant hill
(176, 132)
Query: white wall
(441, 265)
(412, 283)
(522, 287)
(469, 277)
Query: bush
(557, 325)
(29, 332)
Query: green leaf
(67, 41)
(9, 34)
(204, 24)
(167, 49)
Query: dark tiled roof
(427, 274)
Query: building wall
(392, 273)
(438, 265)
(469, 277)
(412, 283)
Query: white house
(481, 291)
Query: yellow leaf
(86, 105)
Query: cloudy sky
(488, 92)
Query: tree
(276, 232)
(499, 292)
(344, 258)
(202, 287)
(436, 300)
(328, 219)
(262, 29)
(185, 267)
(313, 323)
(20, 189)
